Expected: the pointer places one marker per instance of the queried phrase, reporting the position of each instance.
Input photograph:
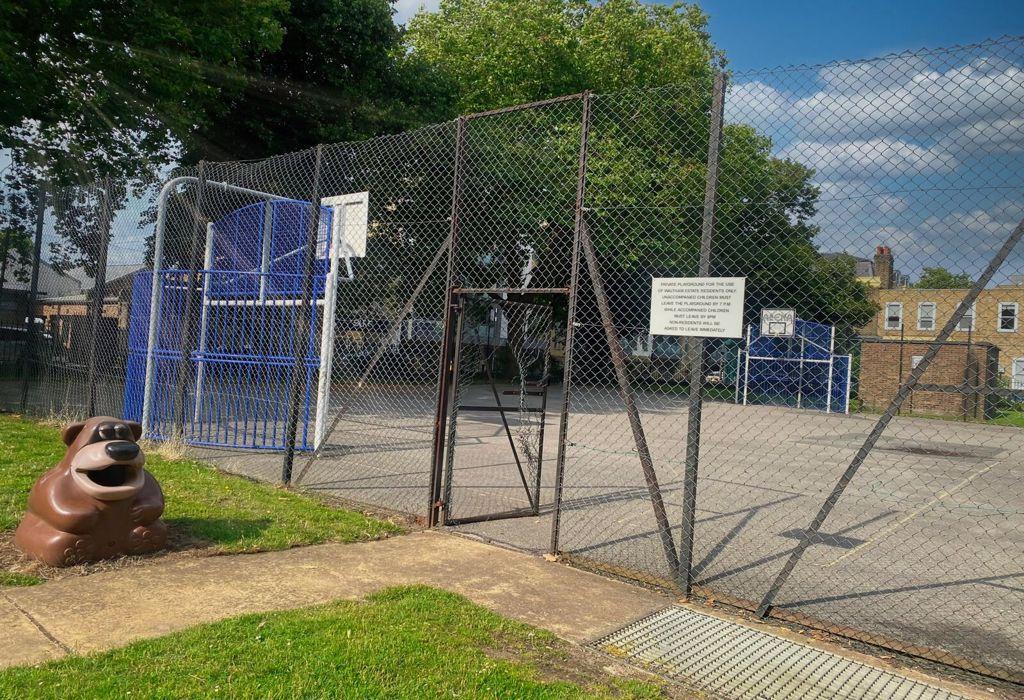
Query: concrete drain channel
(735, 661)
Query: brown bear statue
(98, 502)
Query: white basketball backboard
(778, 323)
(349, 224)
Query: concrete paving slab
(114, 608)
(24, 642)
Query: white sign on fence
(778, 323)
(703, 307)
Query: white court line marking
(899, 522)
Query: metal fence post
(98, 292)
(811, 534)
(302, 323)
(695, 402)
(185, 363)
(563, 418)
(33, 294)
(434, 505)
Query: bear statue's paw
(147, 538)
(77, 551)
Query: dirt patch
(179, 545)
(557, 660)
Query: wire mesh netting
(456, 323)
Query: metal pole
(156, 287)
(746, 368)
(883, 422)
(98, 292)
(696, 398)
(204, 322)
(618, 357)
(800, 375)
(185, 362)
(570, 326)
(434, 504)
(33, 294)
(446, 447)
(967, 374)
(899, 378)
(302, 324)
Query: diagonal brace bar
(629, 401)
(695, 402)
(883, 421)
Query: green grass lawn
(411, 642)
(204, 507)
(1011, 418)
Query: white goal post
(349, 222)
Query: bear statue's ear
(135, 427)
(69, 433)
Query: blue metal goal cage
(249, 296)
(802, 371)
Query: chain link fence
(460, 329)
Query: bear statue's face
(106, 462)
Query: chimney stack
(883, 266)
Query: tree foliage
(941, 278)
(653, 68)
(104, 86)
(339, 74)
(502, 52)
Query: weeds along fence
(460, 328)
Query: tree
(941, 278)
(503, 52)
(648, 150)
(103, 86)
(338, 74)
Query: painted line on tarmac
(900, 522)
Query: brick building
(914, 315)
(68, 319)
(946, 386)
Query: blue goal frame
(802, 371)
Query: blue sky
(786, 32)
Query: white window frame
(972, 311)
(934, 308)
(899, 325)
(1014, 384)
(1016, 316)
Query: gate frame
(447, 398)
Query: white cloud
(895, 98)
(881, 157)
(957, 240)
(854, 76)
(890, 204)
(997, 136)
(405, 9)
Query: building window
(1017, 374)
(926, 316)
(893, 316)
(1007, 316)
(967, 322)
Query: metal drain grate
(738, 662)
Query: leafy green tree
(504, 52)
(338, 74)
(648, 152)
(103, 86)
(941, 278)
